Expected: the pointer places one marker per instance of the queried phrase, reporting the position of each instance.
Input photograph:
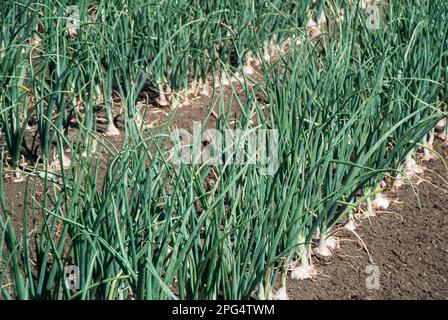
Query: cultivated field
(196, 149)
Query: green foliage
(348, 111)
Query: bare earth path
(408, 245)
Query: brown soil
(407, 243)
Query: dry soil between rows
(408, 244)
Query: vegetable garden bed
(315, 111)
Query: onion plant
(16, 107)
